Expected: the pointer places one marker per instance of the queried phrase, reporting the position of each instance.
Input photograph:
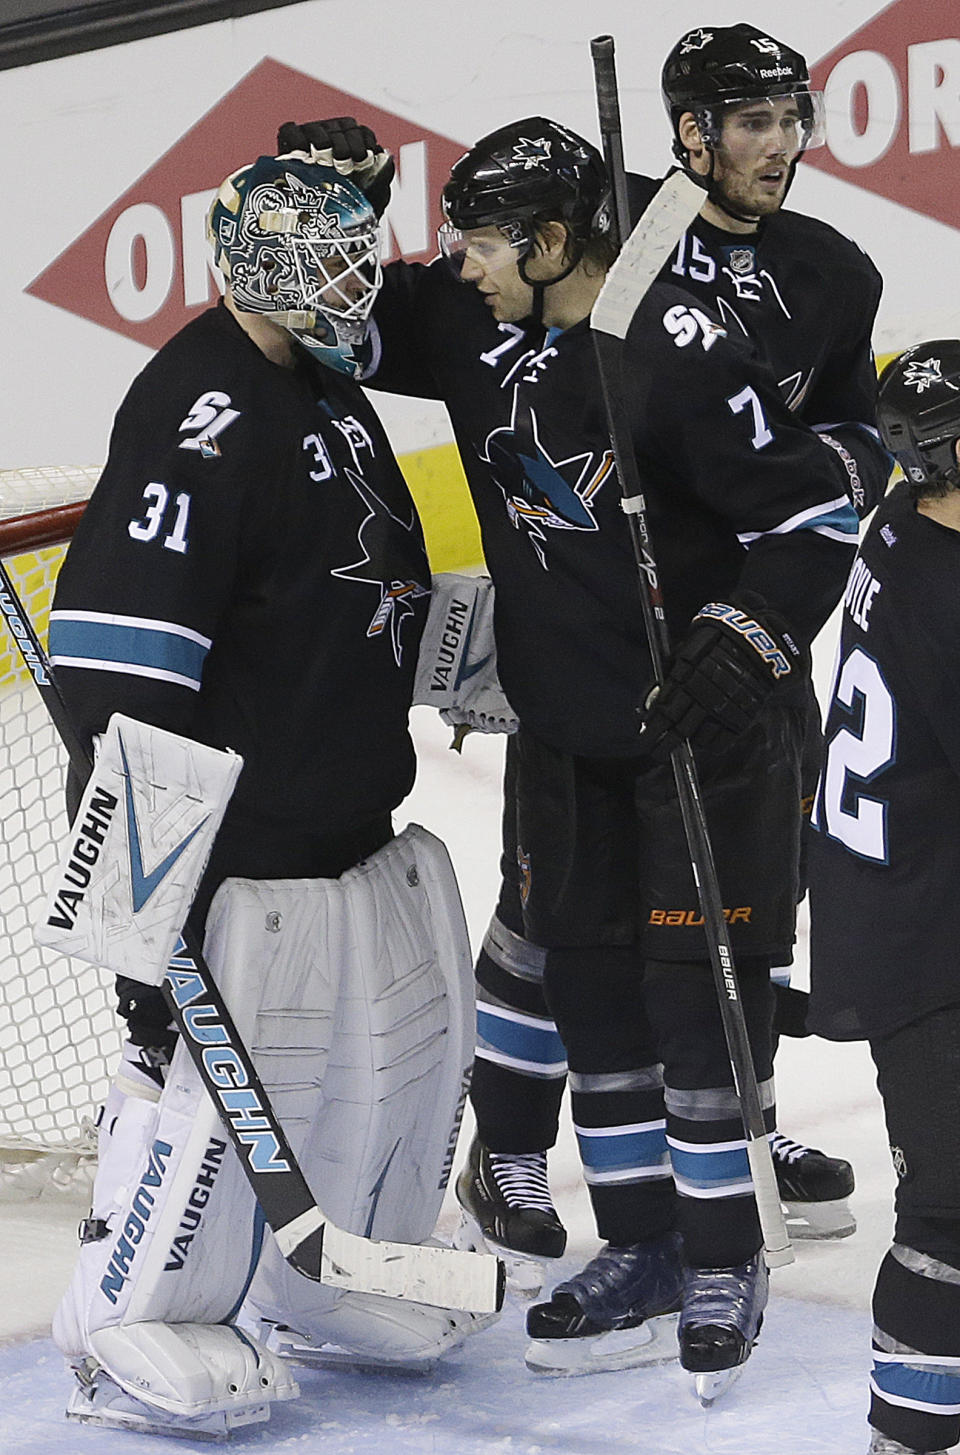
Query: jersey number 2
(856, 819)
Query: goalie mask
(714, 68)
(301, 244)
(918, 411)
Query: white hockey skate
(506, 1208)
(813, 1190)
(721, 1317)
(620, 1312)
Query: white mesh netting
(59, 1036)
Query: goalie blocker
(355, 997)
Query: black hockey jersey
(885, 859)
(741, 493)
(250, 572)
(807, 297)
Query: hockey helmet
(918, 410)
(531, 170)
(715, 67)
(298, 242)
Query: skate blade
(106, 1405)
(815, 1221)
(652, 1342)
(332, 1357)
(525, 1273)
(710, 1387)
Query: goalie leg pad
(168, 1252)
(364, 1040)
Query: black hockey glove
(721, 674)
(349, 146)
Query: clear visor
(797, 119)
(485, 248)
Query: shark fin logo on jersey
(924, 374)
(532, 153)
(381, 565)
(542, 493)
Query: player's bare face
(759, 141)
(490, 263)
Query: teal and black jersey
(807, 298)
(741, 494)
(250, 572)
(885, 860)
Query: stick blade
(662, 224)
(446, 1277)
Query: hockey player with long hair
(884, 868)
(597, 958)
(250, 575)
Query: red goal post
(59, 1035)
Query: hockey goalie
(237, 625)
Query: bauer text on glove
(731, 659)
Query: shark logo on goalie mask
(542, 493)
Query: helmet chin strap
(540, 285)
(718, 199)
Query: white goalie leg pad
(170, 1248)
(364, 1041)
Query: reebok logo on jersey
(85, 853)
(142, 885)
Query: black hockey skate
(813, 1189)
(506, 1208)
(617, 1314)
(719, 1323)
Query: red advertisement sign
(143, 268)
(893, 107)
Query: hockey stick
(314, 1246)
(643, 254)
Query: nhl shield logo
(742, 261)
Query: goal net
(59, 1034)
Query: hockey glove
(457, 666)
(721, 675)
(348, 146)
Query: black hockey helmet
(918, 410)
(713, 67)
(531, 169)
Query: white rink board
(83, 129)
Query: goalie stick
(644, 251)
(314, 1246)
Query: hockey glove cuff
(348, 146)
(457, 666)
(724, 670)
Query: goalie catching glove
(722, 673)
(457, 666)
(352, 149)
